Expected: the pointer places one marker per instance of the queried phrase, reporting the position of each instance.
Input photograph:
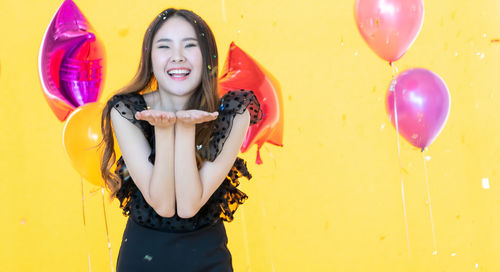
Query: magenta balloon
(389, 27)
(71, 61)
(422, 103)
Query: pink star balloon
(242, 72)
(71, 62)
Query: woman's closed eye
(163, 46)
(191, 45)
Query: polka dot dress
(225, 200)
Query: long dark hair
(204, 98)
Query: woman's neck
(168, 102)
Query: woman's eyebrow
(170, 40)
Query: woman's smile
(179, 74)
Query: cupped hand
(160, 119)
(194, 117)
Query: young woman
(177, 177)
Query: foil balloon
(419, 101)
(242, 72)
(71, 61)
(81, 136)
(389, 27)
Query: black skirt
(144, 249)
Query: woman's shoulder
(127, 105)
(130, 100)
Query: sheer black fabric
(225, 200)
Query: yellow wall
(330, 199)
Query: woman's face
(176, 57)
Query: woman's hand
(193, 117)
(159, 119)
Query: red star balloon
(71, 61)
(242, 72)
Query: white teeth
(177, 72)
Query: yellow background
(330, 199)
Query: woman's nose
(178, 56)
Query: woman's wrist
(185, 126)
(164, 131)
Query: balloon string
(85, 225)
(395, 70)
(268, 238)
(266, 232)
(430, 206)
(245, 238)
(107, 232)
(394, 73)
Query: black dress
(154, 243)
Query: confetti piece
(427, 158)
(435, 253)
(148, 258)
(485, 183)
(453, 254)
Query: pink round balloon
(389, 27)
(71, 62)
(422, 101)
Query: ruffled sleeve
(232, 103)
(127, 105)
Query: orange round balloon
(82, 134)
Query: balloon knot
(258, 160)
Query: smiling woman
(177, 177)
(176, 58)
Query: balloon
(422, 103)
(242, 72)
(82, 134)
(389, 27)
(71, 62)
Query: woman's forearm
(161, 185)
(188, 187)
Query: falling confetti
(485, 183)
(224, 18)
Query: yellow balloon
(81, 135)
